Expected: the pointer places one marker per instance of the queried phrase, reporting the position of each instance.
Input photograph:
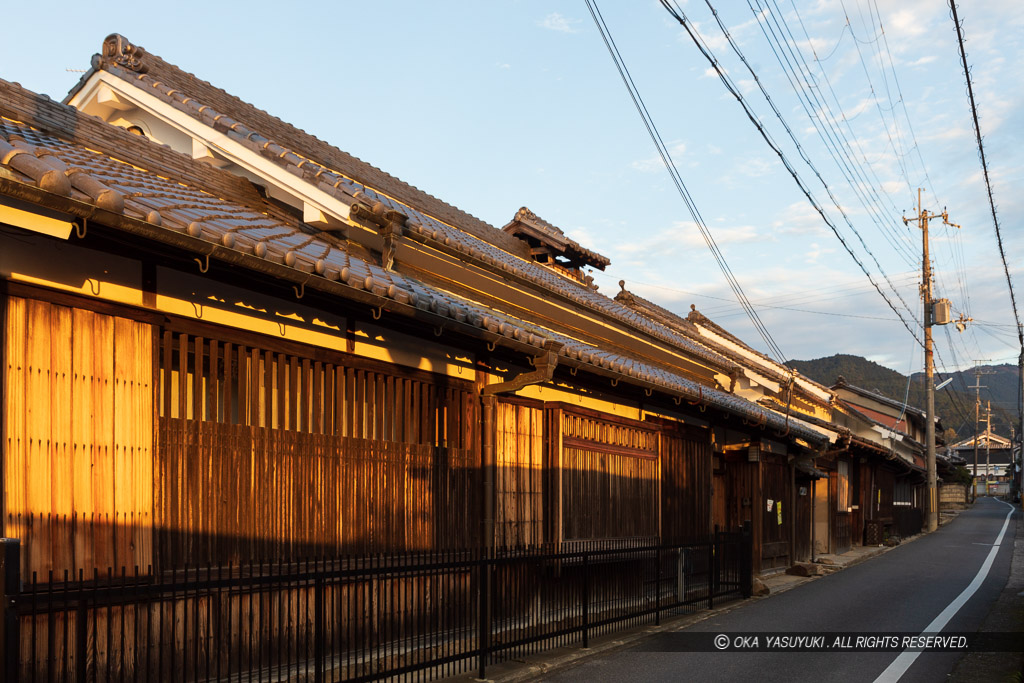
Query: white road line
(900, 665)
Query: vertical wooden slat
(166, 347)
(183, 375)
(230, 374)
(197, 412)
(213, 383)
(124, 352)
(294, 398)
(15, 336)
(317, 398)
(267, 395)
(341, 385)
(82, 358)
(358, 396)
(61, 438)
(255, 378)
(380, 419)
(281, 398)
(102, 397)
(37, 475)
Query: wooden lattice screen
(267, 454)
(685, 484)
(610, 478)
(518, 486)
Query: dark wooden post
(712, 569)
(586, 599)
(746, 561)
(10, 579)
(657, 586)
(319, 626)
(486, 588)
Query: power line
(900, 156)
(677, 180)
(680, 17)
(984, 168)
(835, 140)
(829, 141)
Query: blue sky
(492, 106)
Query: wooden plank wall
(685, 486)
(267, 455)
(78, 468)
(518, 486)
(610, 478)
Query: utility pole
(932, 519)
(988, 443)
(977, 407)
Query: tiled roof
(207, 223)
(779, 407)
(854, 409)
(841, 383)
(186, 93)
(688, 327)
(133, 63)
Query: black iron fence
(412, 615)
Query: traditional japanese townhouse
(881, 491)
(764, 479)
(994, 472)
(227, 340)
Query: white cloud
(799, 218)
(556, 22)
(653, 164)
(815, 251)
(757, 167)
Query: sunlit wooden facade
(241, 344)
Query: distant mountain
(954, 403)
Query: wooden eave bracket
(543, 370)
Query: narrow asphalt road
(901, 591)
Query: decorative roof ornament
(552, 247)
(117, 50)
(624, 296)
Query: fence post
(10, 579)
(485, 589)
(586, 599)
(82, 636)
(712, 569)
(318, 624)
(657, 586)
(746, 561)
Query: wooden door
(776, 517)
(804, 501)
